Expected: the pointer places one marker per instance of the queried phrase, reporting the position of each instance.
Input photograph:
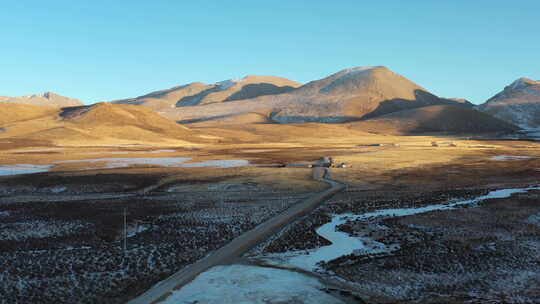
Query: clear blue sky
(104, 50)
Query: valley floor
(61, 234)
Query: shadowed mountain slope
(518, 103)
(438, 118)
(45, 99)
(198, 93)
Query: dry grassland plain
(196, 198)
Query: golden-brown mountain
(352, 94)
(101, 123)
(198, 93)
(366, 99)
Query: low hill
(111, 115)
(125, 122)
(348, 95)
(199, 93)
(518, 103)
(103, 123)
(14, 112)
(44, 99)
(439, 118)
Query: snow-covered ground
(40, 229)
(166, 162)
(510, 157)
(251, 285)
(116, 162)
(344, 244)
(534, 219)
(134, 230)
(226, 84)
(223, 163)
(126, 162)
(23, 169)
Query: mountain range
(365, 99)
(198, 93)
(348, 95)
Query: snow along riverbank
(344, 244)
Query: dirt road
(241, 244)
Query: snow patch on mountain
(227, 84)
(353, 72)
(522, 83)
(348, 75)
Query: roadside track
(242, 243)
(61, 197)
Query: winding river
(344, 244)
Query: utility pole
(125, 230)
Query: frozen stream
(343, 244)
(116, 162)
(120, 162)
(510, 157)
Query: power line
(125, 230)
